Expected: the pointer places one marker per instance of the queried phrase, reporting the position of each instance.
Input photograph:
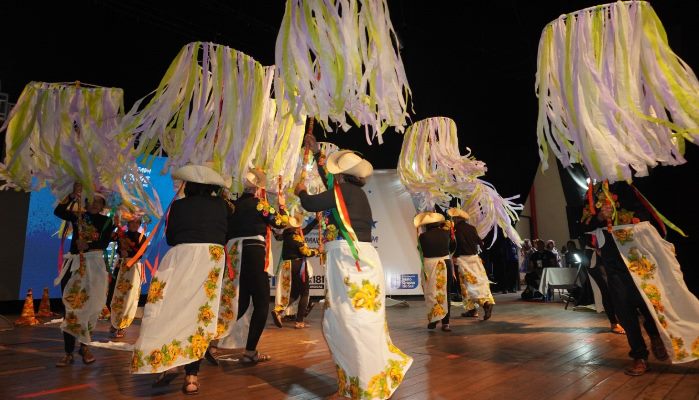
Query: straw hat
(428, 217)
(295, 221)
(458, 213)
(348, 162)
(199, 174)
(254, 178)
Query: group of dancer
(212, 287)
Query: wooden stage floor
(526, 351)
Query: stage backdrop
(40, 265)
(393, 237)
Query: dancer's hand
(77, 189)
(310, 141)
(300, 187)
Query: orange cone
(27, 318)
(45, 305)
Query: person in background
(125, 286)
(294, 279)
(83, 278)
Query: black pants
(112, 285)
(451, 283)
(254, 283)
(300, 286)
(510, 276)
(627, 304)
(192, 368)
(599, 274)
(68, 339)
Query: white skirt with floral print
(368, 365)
(181, 313)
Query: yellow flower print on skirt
(177, 328)
(155, 290)
(125, 300)
(475, 286)
(656, 273)
(434, 285)
(85, 295)
(366, 369)
(283, 288)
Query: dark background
(474, 62)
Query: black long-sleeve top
(248, 220)
(98, 227)
(130, 241)
(294, 246)
(197, 219)
(356, 200)
(435, 242)
(467, 239)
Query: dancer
(475, 286)
(294, 278)
(125, 286)
(83, 277)
(354, 323)
(625, 296)
(181, 312)
(435, 243)
(249, 233)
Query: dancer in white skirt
(125, 287)
(368, 365)
(83, 277)
(435, 243)
(182, 309)
(293, 277)
(475, 286)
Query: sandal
(252, 360)
(431, 325)
(446, 328)
(301, 325)
(190, 380)
(616, 328)
(164, 379)
(86, 354)
(119, 333)
(65, 361)
(277, 319)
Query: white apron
(180, 317)
(233, 332)
(368, 365)
(85, 294)
(434, 285)
(126, 293)
(656, 272)
(475, 286)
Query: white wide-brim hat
(295, 221)
(349, 163)
(199, 174)
(256, 178)
(428, 217)
(458, 213)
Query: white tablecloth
(558, 278)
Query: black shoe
(487, 311)
(277, 319)
(431, 325)
(210, 357)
